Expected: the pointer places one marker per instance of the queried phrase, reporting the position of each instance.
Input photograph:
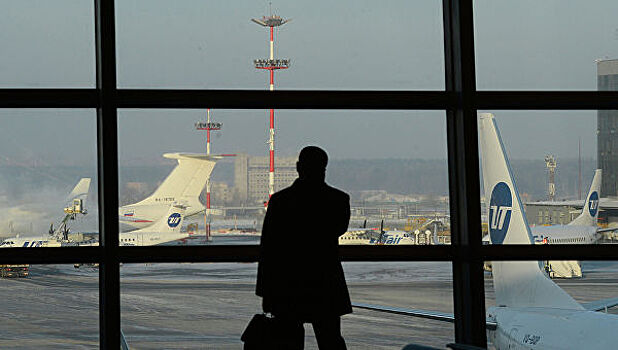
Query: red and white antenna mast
(208, 126)
(271, 65)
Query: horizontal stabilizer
(432, 315)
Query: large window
(142, 49)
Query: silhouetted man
(300, 277)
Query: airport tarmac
(206, 306)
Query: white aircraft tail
(186, 181)
(516, 283)
(590, 210)
(80, 191)
(170, 222)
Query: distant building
(607, 126)
(251, 177)
(220, 193)
(541, 215)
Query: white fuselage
(139, 238)
(366, 236)
(561, 234)
(144, 215)
(548, 328)
(564, 234)
(30, 242)
(136, 238)
(355, 237)
(394, 238)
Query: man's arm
(345, 216)
(265, 249)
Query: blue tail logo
(593, 204)
(500, 208)
(173, 220)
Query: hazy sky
(353, 44)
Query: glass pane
(405, 285)
(332, 45)
(47, 43)
(48, 168)
(53, 307)
(392, 163)
(531, 317)
(553, 166)
(543, 45)
(192, 306)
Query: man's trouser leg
(291, 333)
(328, 333)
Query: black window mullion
(107, 151)
(464, 187)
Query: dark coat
(299, 271)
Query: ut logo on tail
(593, 204)
(500, 208)
(173, 220)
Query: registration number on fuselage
(531, 339)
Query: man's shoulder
(335, 192)
(282, 194)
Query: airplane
(165, 230)
(531, 312)
(370, 236)
(76, 204)
(366, 237)
(184, 184)
(582, 230)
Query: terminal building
(607, 126)
(543, 213)
(251, 177)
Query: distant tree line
(400, 176)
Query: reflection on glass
(543, 45)
(54, 307)
(48, 191)
(197, 305)
(551, 312)
(559, 189)
(352, 44)
(173, 191)
(403, 285)
(47, 44)
(526, 308)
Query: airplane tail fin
(186, 181)
(80, 191)
(170, 222)
(516, 283)
(590, 210)
(75, 202)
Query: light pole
(271, 65)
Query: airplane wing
(600, 305)
(432, 315)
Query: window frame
(460, 100)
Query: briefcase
(266, 332)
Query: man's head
(311, 164)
